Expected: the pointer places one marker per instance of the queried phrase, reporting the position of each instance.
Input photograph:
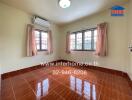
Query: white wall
(13, 40)
(118, 57)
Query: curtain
(31, 43)
(50, 42)
(101, 44)
(68, 42)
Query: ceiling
(50, 9)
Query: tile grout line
(30, 87)
(69, 88)
(55, 87)
(59, 95)
(100, 92)
(61, 84)
(55, 79)
(40, 96)
(12, 89)
(58, 82)
(64, 86)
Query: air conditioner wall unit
(41, 21)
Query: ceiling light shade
(64, 3)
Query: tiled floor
(46, 84)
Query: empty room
(65, 49)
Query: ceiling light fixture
(64, 3)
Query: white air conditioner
(41, 21)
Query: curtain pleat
(68, 43)
(101, 44)
(31, 43)
(50, 42)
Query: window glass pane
(72, 41)
(44, 35)
(44, 40)
(95, 38)
(79, 41)
(87, 40)
(37, 33)
(37, 38)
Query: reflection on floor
(43, 84)
(83, 88)
(42, 87)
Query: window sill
(42, 52)
(84, 50)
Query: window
(84, 40)
(41, 38)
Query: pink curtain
(101, 44)
(31, 43)
(50, 42)
(68, 43)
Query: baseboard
(111, 71)
(18, 72)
